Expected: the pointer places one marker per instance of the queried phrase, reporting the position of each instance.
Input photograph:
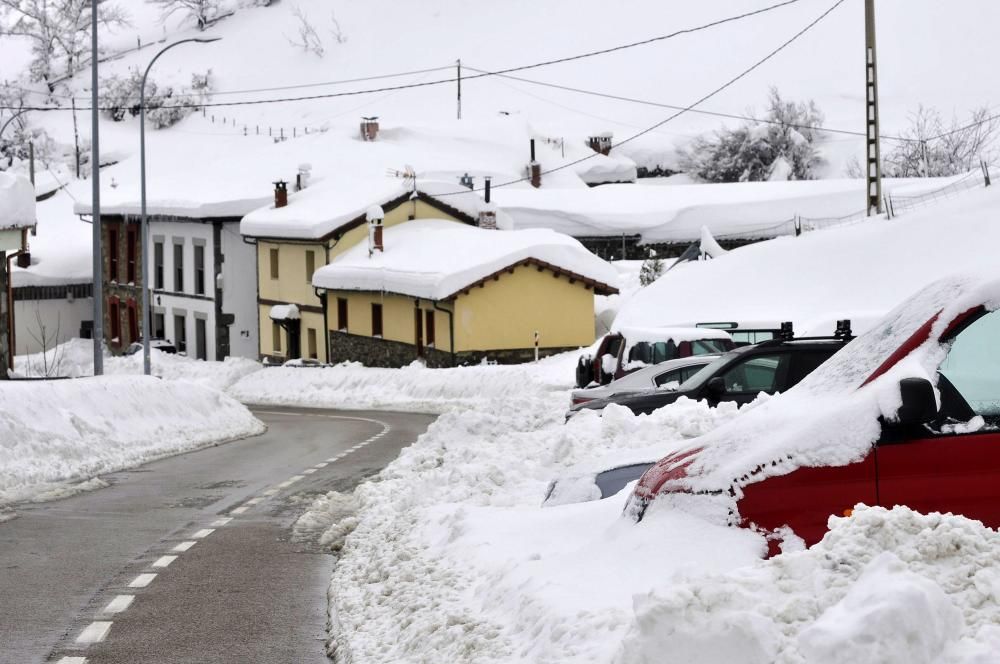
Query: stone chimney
(369, 128)
(601, 142)
(280, 194)
(302, 177)
(375, 216)
(488, 213)
(534, 169)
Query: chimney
(534, 169)
(369, 128)
(302, 177)
(280, 194)
(488, 213)
(601, 142)
(375, 216)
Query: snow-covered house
(17, 214)
(453, 294)
(305, 230)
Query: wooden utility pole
(458, 64)
(873, 172)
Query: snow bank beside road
(60, 431)
(888, 586)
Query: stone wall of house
(373, 352)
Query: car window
(653, 352)
(804, 363)
(972, 366)
(708, 347)
(760, 373)
(674, 376)
(751, 336)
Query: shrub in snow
(164, 107)
(652, 269)
(782, 146)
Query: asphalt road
(214, 527)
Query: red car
(907, 414)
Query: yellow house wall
(292, 285)
(504, 314)
(397, 317)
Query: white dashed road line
(183, 546)
(308, 471)
(119, 604)
(203, 533)
(95, 632)
(72, 660)
(218, 523)
(164, 561)
(239, 510)
(142, 581)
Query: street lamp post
(144, 224)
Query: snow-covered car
(161, 345)
(582, 487)
(907, 414)
(630, 349)
(665, 375)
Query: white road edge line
(119, 604)
(95, 632)
(308, 471)
(164, 561)
(183, 546)
(271, 492)
(255, 501)
(295, 478)
(218, 523)
(203, 533)
(324, 464)
(142, 581)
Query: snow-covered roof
(284, 312)
(435, 259)
(17, 201)
(322, 209)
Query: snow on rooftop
(284, 312)
(435, 259)
(17, 201)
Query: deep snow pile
(17, 201)
(75, 358)
(887, 586)
(52, 432)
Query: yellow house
(454, 294)
(305, 230)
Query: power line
(746, 72)
(645, 102)
(536, 65)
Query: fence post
(244, 130)
(798, 225)
(889, 211)
(268, 131)
(257, 128)
(986, 172)
(213, 119)
(294, 132)
(282, 135)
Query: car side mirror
(717, 386)
(919, 405)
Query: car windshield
(710, 370)
(972, 366)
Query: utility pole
(95, 175)
(458, 64)
(873, 158)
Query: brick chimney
(280, 194)
(369, 128)
(488, 213)
(534, 169)
(601, 142)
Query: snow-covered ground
(57, 436)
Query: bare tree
(50, 364)
(307, 39)
(934, 148)
(204, 12)
(335, 29)
(56, 28)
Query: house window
(276, 337)
(114, 314)
(112, 253)
(376, 320)
(178, 267)
(159, 326)
(199, 269)
(310, 265)
(274, 263)
(130, 253)
(429, 328)
(200, 339)
(133, 322)
(180, 333)
(311, 343)
(158, 265)
(342, 314)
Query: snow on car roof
(635, 335)
(434, 258)
(826, 419)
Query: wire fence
(972, 180)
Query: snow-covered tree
(652, 269)
(203, 12)
(780, 146)
(164, 106)
(56, 29)
(938, 149)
